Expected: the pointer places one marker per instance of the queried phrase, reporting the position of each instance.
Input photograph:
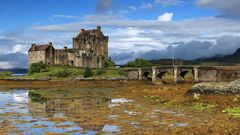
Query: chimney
(50, 43)
(82, 30)
(65, 47)
(99, 27)
(34, 47)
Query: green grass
(234, 112)
(5, 74)
(66, 72)
(201, 106)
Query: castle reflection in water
(90, 112)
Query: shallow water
(55, 115)
(99, 111)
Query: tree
(138, 63)
(37, 67)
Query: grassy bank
(5, 74)
(66, 72)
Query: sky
(150, 29)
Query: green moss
(170, 102)
(234, 112)
(155, 99)
(36, 97)
(201, 106)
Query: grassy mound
(66, 72)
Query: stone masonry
(90, 49)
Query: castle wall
(61, 57)
(89, 61)
(50, 55)
(90, 49)
(36, 56)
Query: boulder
(216, 88)
(236, 82)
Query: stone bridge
(178, 73)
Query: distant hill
(18, 60)
(16, 70)
(233, 59)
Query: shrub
(37, 67)
(109, 63)
(100, 72)
(87, 73)
(139, 63)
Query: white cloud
(103, 6)
(20, 48)
(6, 65)
(146, 6)
(166, 17)
(188, 51)
(133, 8)
(65, 16)
(227, 7)
(168, 2)
(162, 33)
(135, 37)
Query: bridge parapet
(199, 73)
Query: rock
(196, 97)
(236, 99)
(215, 88)
(236, 82)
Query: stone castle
(90, 49)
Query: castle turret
(33, 47)
(99, 27)
(82, 30)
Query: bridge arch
(146, 75)
(160, 75)
(182, 75)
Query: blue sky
(15, 13)
(151, 29)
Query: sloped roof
(89, 32)
(40, 47)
